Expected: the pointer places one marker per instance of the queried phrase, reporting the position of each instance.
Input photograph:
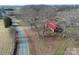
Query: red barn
(54, 26)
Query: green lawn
(73, 29)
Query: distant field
(74, 29)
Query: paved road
(23, 46)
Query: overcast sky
(28, 2)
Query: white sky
(27, 2)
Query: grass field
(74, 29)
(6, 44)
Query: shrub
(7, 22)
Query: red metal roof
(52, 25)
